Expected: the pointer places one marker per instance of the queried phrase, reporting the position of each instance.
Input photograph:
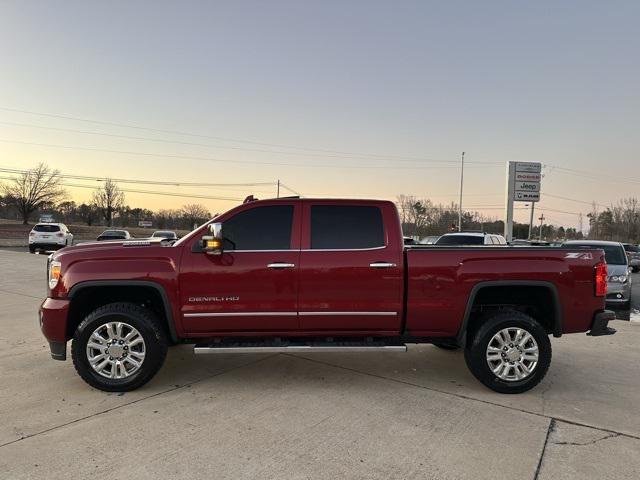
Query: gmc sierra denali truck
(305, 275)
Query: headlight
(618, 278)
(54, 273)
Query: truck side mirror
(212, 243)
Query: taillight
(601, 280)
(60, 234)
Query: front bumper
(618, 293)
(46, 246)
(53, 323)
(600, 325)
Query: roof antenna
(249, 199)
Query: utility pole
(461, 185)
(541, 220)
(580, 223)
(533, 207)
(278, 190)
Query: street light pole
(541, 220)
(461, 185)
(533, 206)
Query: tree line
(421, 218)
(40, 191)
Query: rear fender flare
(557, 306)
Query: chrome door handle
(382, 265)
(279, 265)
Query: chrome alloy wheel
(512, 354)
(116, 350)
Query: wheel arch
(84, 289)
(505, 285)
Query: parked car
(313, 275)
(471, 238)
(114, 235)
(530, 243)
(49, 236)
(169, 235)
(633, 254)
(430, 240)
(619, 280)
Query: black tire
(446, 346)
(476, 352)
(32, 249)
(148, 326)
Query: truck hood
(110, 245)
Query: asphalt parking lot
(398, 415)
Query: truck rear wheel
(119, 347)
(509, 353)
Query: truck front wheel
(119, 347)
(509, 353)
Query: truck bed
(443, 282)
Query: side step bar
(295, 348)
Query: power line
(163, 140)
(236, 140)
(220, 160)
(574, 200)
(146, 182)
(592, 175)
(149, 192)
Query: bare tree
(195, 214)
(108, 199)
(33, 189)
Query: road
(399, 415)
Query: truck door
(252, 286)
(351, 268)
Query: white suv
(471, 238)
(49, 236)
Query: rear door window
(346, 227)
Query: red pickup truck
(305, 275)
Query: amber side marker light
(54, 274)
(601, 279)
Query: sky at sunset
(355, 98)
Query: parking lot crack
(593, 442)
(467, 397)
(550, 430)
(133, 402)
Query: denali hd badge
(214, 299)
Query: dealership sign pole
(523, 185)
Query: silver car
(619, 279)
(633, 253)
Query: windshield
(164, 234)
(632, 248)
(46, 228)
(614, 254)
(460, 240)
